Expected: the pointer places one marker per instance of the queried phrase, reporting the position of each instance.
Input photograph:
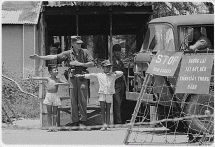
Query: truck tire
(200, 105)
(165, 113)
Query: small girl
(52, 101)
(106, 90)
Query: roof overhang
(95, 20)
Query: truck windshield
(159, 37)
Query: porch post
(42, 48)
(111, 56)
(111, 29)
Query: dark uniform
(78, 86)
(120, 90)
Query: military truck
(174, 33)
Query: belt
(73, 72)
(79, 72)
(80, 68)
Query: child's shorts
(52, 99)
(108, 98)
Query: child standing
(106, 90)
(52, 101)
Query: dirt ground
(27, 132)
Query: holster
(82, 78)
(72, 72)
(66, 74)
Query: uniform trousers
(117, 101)
(78, 94)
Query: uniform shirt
(202, 43)
(106, 81)
(82, 56)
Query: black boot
(83, 127)
(73, 125)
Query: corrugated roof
(59, 3)
(91, 3)
(20, 12)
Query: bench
(66, 107)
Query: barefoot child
(106, 90)
(52, 101)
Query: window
(206, 30)
(159, 37)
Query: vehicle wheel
(200, 105)
(166, 112)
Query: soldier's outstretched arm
(47, 57)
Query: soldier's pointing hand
(35, 56)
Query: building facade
(19, 37)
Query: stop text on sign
(164, 59)
(164, 63)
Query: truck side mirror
(190, 32)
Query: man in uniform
(200, 41)
(119, 84)
(78, 60)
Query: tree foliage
(160, 8)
